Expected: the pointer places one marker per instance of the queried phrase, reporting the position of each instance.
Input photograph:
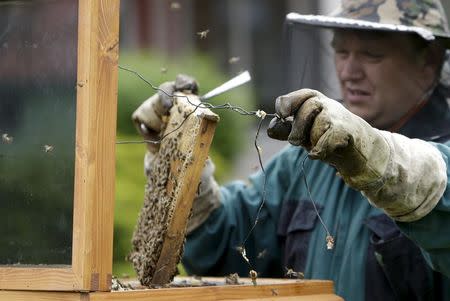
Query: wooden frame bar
(98, 39)
(270, 289)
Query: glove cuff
(414, 181)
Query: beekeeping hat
(423, 17)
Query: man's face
(380, 75)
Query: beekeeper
(379, 174)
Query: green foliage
(130, 180)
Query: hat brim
(340, 22)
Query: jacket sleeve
(432, 232)
(212, 249)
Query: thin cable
(263, 196)
(241, 111)
(204, 105)
(329, 238)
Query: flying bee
(175, 6)
(7, 139)
(48, 148)
(163, 70)
(262, 254)
(290, 273)
(203, 34)
(234, 60)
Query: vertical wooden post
(95, 142)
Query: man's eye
(373, 55)
(341, 53)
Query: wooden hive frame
(173, 182)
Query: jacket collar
(432, 122)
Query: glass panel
(38, 63)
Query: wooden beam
(42, 296)
(38, 278)
(98, 32)
(309, 288)
(272, 289)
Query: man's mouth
(356, 95)
(357, 92)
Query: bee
(290, 273)
(253, 275)
(203, 34)
(232, 279)
(243, 252)
(48, 148)
(7, 139)
(163, 70)
(262, 254)
(234, 60)
(175, 6)
(330, 242)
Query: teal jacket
(371, 259)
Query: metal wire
(260, 114)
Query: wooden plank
(42, 296)
(309, 288)
(38, 278)
(95, 143)
(170, 191)
(321, 297)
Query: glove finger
(287, 105)
(146, 119)
(186, 82)
(329, 143)
(303, 123)
(165, 102)
(279, 129)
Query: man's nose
(350, 68)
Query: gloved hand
(405, 177)
(150, 119)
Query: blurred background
(160, 39)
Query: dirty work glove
(405, 177)
(150, 120)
